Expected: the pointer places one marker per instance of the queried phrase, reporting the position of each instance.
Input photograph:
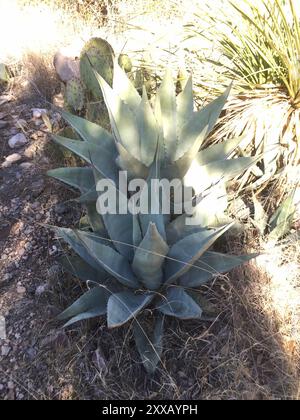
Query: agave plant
(140, 268)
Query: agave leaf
(207, 116)
(166, 107)
(81, 178)
(88, 197)
(101, 158)
(154, 199)
(149, 258)
(281, 221)
(122, 119)
(182, 165)
(124, 88)
(119, 226)
(90, 132)
(80, 269)
(136, 231)
(93, 303)
(149, 348)
(124, 306)
(210, 211)
(187, 251)
(148, 130)
(95, 220)
(135, 168)
(210, 265)
(185, 104)
(109, 259)
(219, 151)
(179, 304)
(70, 236)
(202, 177)
(179, 229)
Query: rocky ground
(28, 201)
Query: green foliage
(260, 41)
(125, 62)
(150, 260)
(98, 54)
(75, 94)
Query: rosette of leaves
(148, 263)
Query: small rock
(3, 124)
(38, 112)
(37, 187)
(25, 166)
(15, 157)
(41, 289)
(5, 350)
(66, 66)
(1, 387)
(17, 140)
(10, 385)
(21, 290)
(31, 353)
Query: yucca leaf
(179, 304)
(166, 108)
(187, 251)
(281, 221)
(81, 178)
(210, 265)
(88, 131)
(82, 270)
(185, 104)
(91, 304)
(101, 158)
(148, 130)
(124, 88)
(109, 259)
(149, 346)
(149, 258)
(124, 306)
(219, 151)
(122, 119)
(207, 116)
(260, 216)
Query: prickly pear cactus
(75, 94)
(98, 53)
(125, 63)
(98, 114)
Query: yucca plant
(258, 43)
(140, 268)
